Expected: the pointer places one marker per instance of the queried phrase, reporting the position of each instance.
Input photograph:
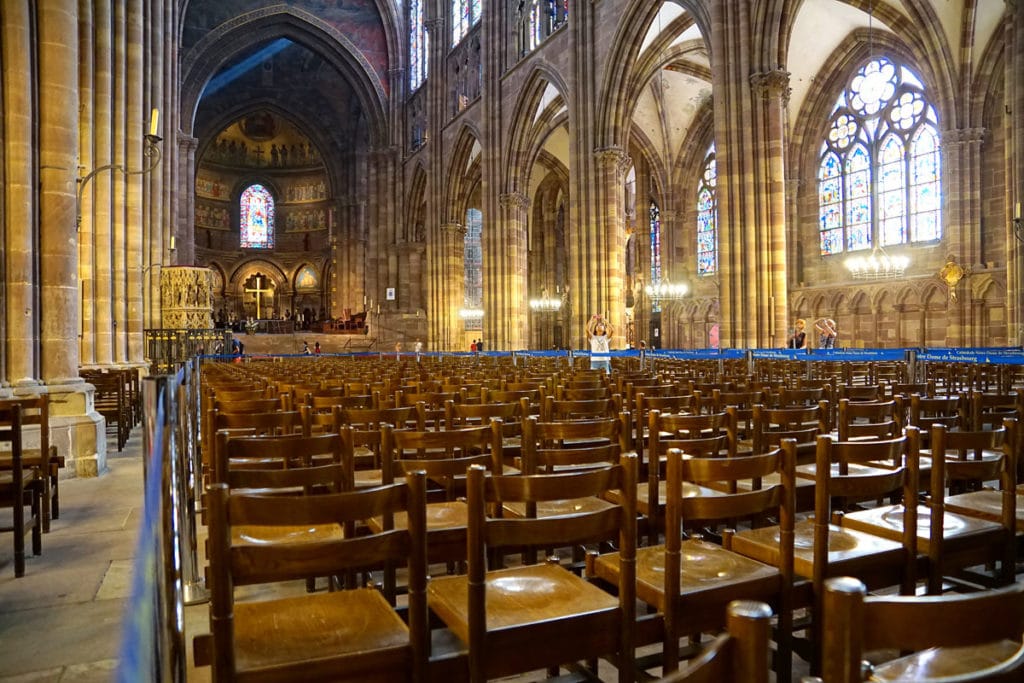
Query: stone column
(447, 286)
(98, 222)
(505, 305)
(184, 232)
(86, 264)
(1015, 165)
(609, 243)
(137, 126)
(20, 305)
(58, 170)
(119, 215)
(773, 88)
(961, 191)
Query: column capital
(513, 200)
(964, 136)
(614, 158)
(455, 228)
(187, 143)
(434, 26)
(668, 215)
(773, 83)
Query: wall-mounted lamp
(150, 151)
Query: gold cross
(259, 291)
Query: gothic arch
(225, 41)
(249, 267)
(463, 175)
(614, 117)
(414, 224)
(531, 126)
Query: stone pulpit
(185, 298)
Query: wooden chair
(445, 456)
(986, 502)
(535, 616)
(952, 541)
(690, 582)
(954, 638)
(316, 636)
(823, 548)
(553, 410)
(43, 463)
(252, 424)
(869, 419)
(18, 484)
(741, 653)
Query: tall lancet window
(707, 217)
(256, 209)
(473, 297)
(465, 15)
(879, 172)
(655, 226)
(419, 43)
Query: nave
(567, 395)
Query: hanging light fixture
(663, 290)
(877, 266)
(471, 313)
(545, 303)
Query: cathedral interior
(363, 175)
(700, 173)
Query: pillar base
(77, 430)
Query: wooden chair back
(856, 623)
(741, 653)
(235, 564)
(15, 483)
(551, 446)
(490, 533)
(834, 483)
(869, 419)
(803, 424)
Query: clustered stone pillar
(20, 304)
(610, 240)
(961, 164)
(749, 109)
(505, 302)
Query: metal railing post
(189, 479)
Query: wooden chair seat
(943, 662)
(707, 572)
(526, 596)
(690, 490)
(451, 514)
(286, 533)
(810, 470)
(554, 508)
(849, 551)
(311, 630)
(987, 504)
(887, 521)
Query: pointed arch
(540, 108)
(231, 38)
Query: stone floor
(62, 621)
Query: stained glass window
(707, 218)
(544, 17)
(419, 42)
(256, 211)
(465, 15)
(879, 173)
(655, 224)
(473, 296)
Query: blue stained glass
(707, 236)
(256, 213)
(858, 237)
(418, 42)
(886, 185)
(655, 227)
(831, 242)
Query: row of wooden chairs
(876, 455)
(117, 398)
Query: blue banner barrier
(1001, 356)
(860, 355)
